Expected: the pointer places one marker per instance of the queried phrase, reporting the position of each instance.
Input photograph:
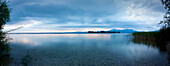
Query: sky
(84, 15)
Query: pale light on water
(84, 49)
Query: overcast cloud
(84, 15)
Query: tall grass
(160, 37)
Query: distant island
(103, 32)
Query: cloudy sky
(84, 15)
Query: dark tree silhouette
(4, 13)
(166, 21)
(5, 58)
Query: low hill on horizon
(124, 30)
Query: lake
(83, 50)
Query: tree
(166, 20)
(5, 58)
(4, 13)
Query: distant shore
(89, 32)
(103, 32)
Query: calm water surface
(83, 50)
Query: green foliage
(4, 13)
(145, 37)
(160, 37)
(166, 21)
(149, 34)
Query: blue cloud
(136, 14)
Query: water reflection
(5, 58)
(26, 59)
(162, 47)
(98, 36)
(168, 48)
(32, 39)
(84, 49)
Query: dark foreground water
(83, 50)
